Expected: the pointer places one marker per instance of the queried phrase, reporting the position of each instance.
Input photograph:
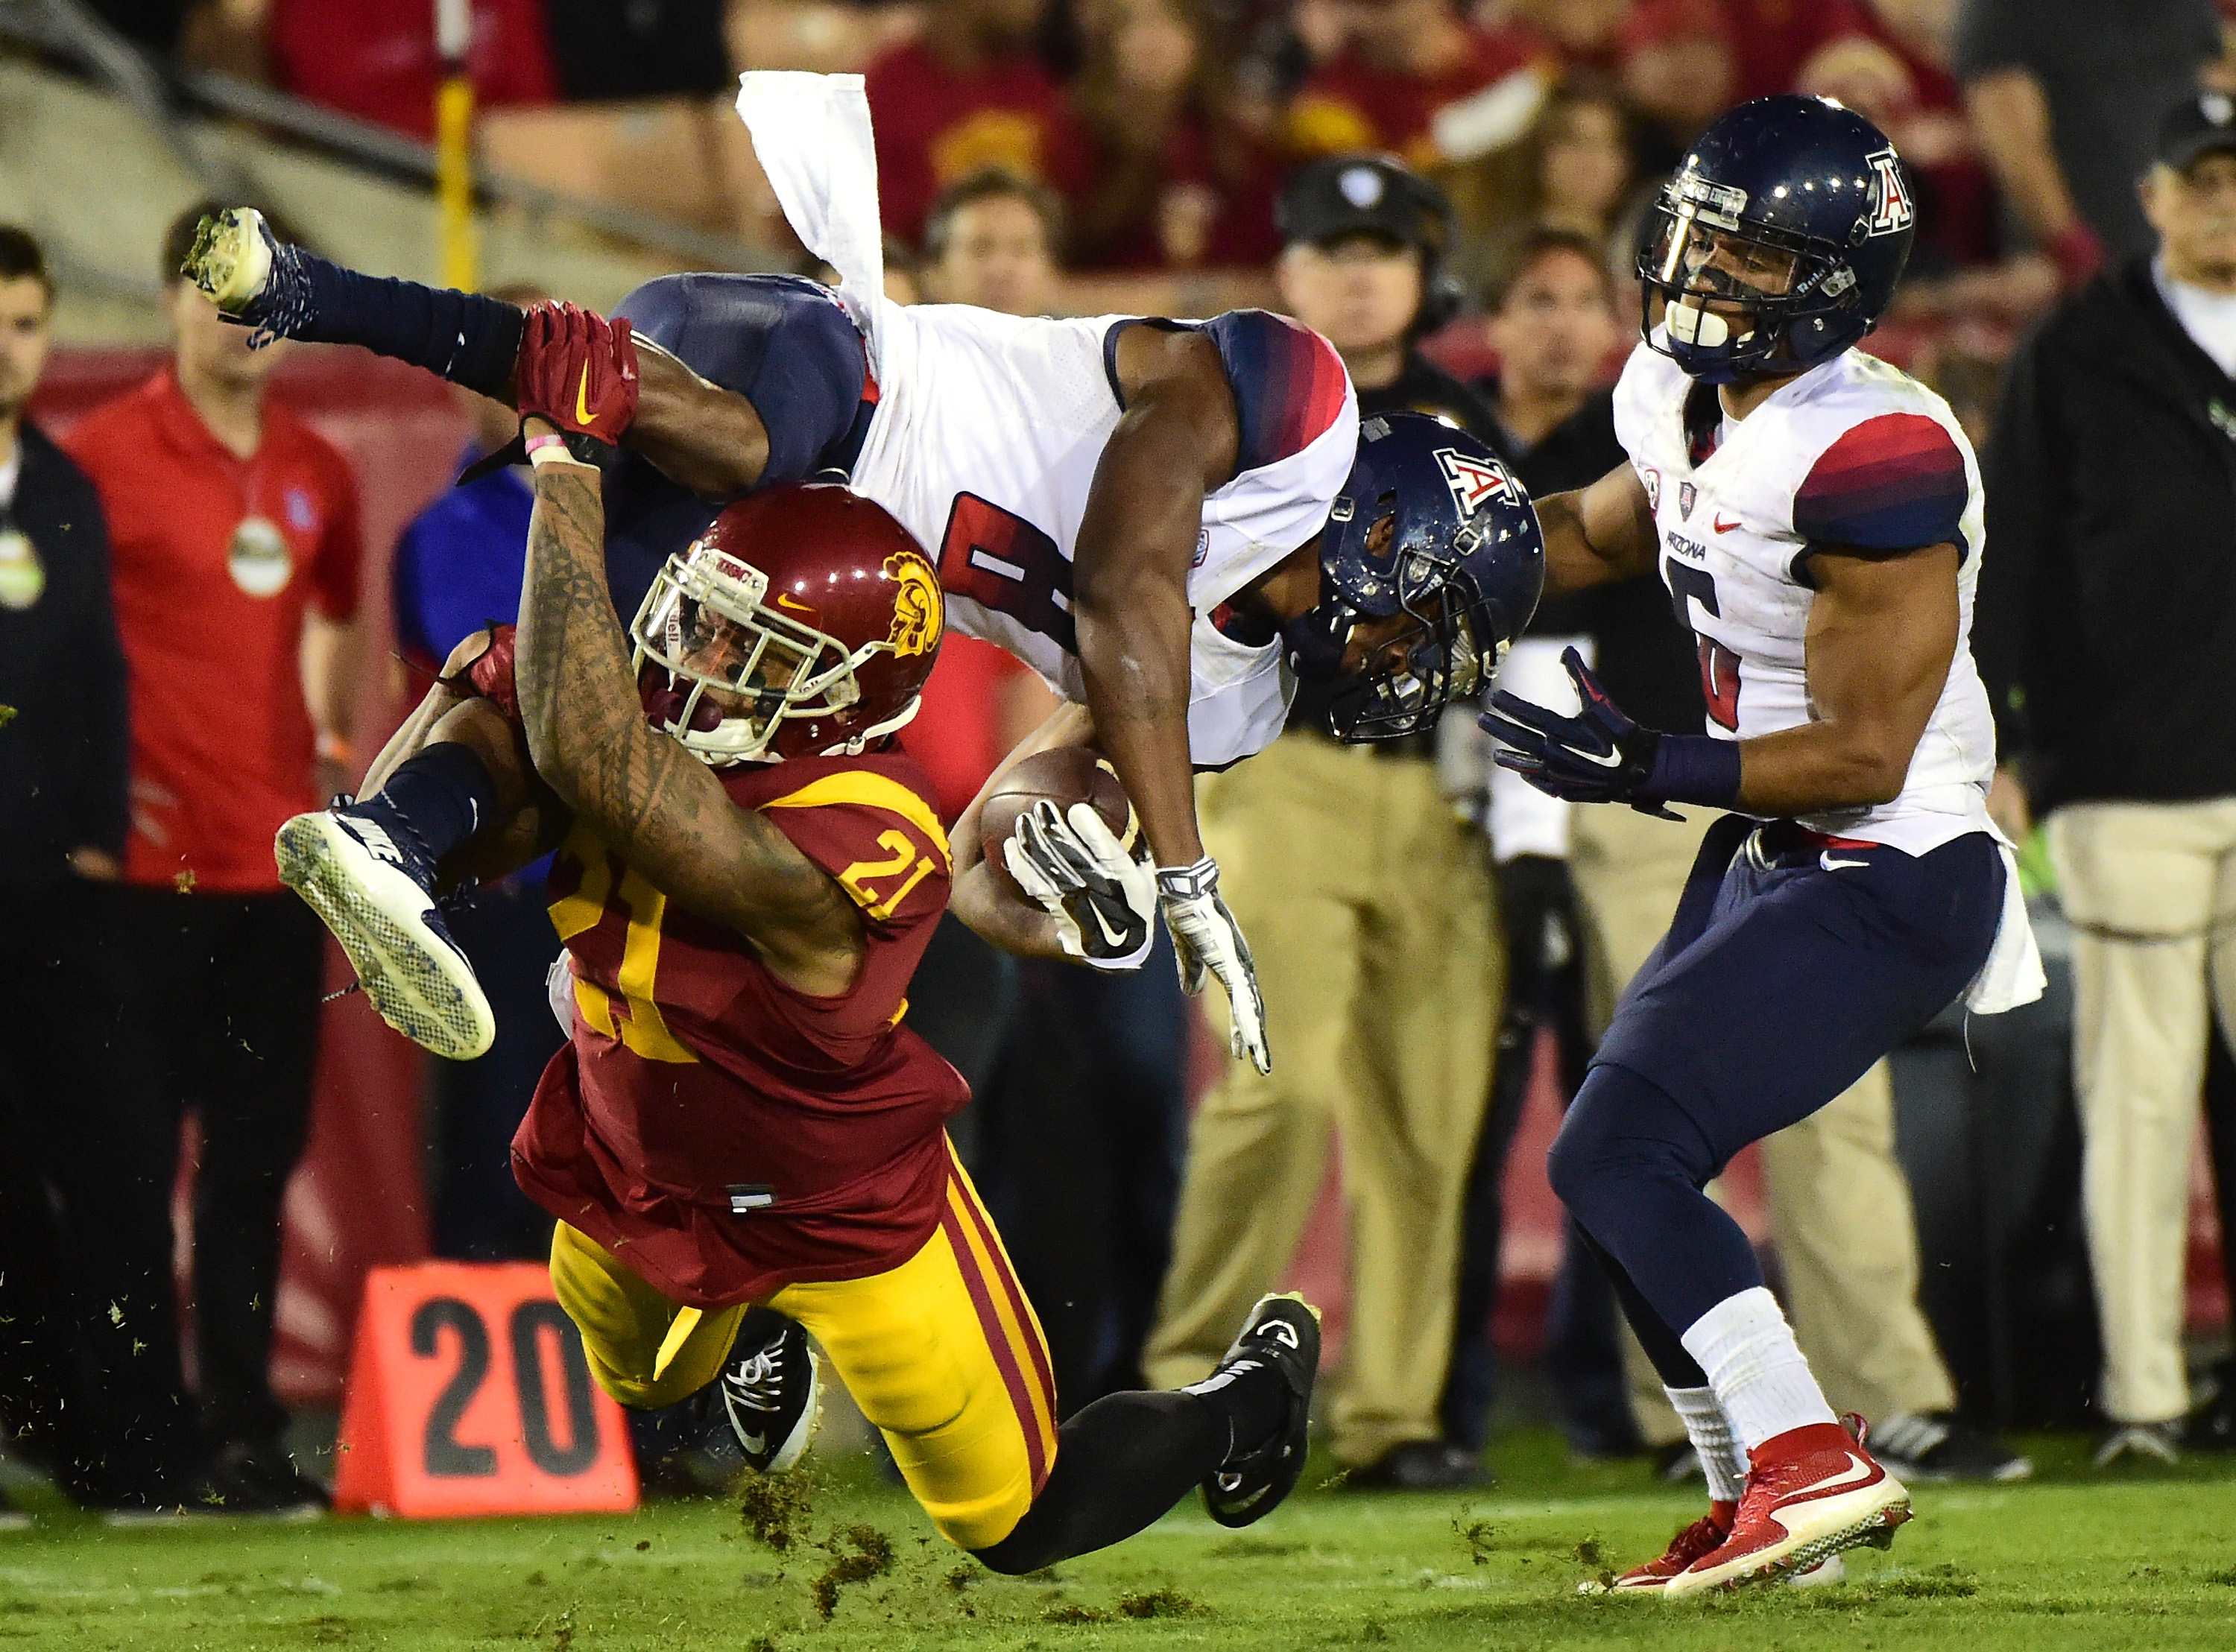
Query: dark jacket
(1648, 662)
(2106, 624)
(65, 739)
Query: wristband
(1694, 769)
(552, 450)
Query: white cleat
(374, 893)
(231, 259)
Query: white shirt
(1852, 453)
(12, 468)
(2209, 318)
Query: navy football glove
(1600, 756)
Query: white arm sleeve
(1522, 820)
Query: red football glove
(577, 370)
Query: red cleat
(1703, 1536)
(1812, 1492)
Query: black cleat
(771, 1388)
(1283, 1331)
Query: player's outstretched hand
(1205, 937)
(577, 370)
(1104, 901)
(1599, 755)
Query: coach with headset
(1367, 899)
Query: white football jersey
(1853, 453)
(984, 443)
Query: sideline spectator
(1185, 182)
(604, 52)
(1575, 170)
(1556, 333)
(1406, 62)
(969, 93)
(234, 530)
(991, 240)
(458, 567)
(2107, 637)
(89, 1360)
(2064, 97)
(375, 59)
(1367, 902)
(1554, 330)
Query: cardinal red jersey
(722, 1133)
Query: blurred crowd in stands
(1451, 195)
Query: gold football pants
(943, 1353)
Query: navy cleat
(771, 1389)
(364, 871)
(1284, 1332)
(252, 278)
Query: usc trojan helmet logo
(919, 607)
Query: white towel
(2012, 975)
(812, 135)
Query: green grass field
(2075, 1560)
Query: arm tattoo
(658, 806)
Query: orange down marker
(468, 1395)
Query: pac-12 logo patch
(1474, 481)
(1652, 478)
(1891, 210)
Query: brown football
(1066, 775)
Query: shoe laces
(1703, 1536)
(758, 1382)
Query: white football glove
(1103, 900)
(1206, 936)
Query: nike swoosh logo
(1721, 525)
(1826, 861)
(1613, 760)
(784, 600)
(582, 397)
(1856, 1474)
(1113, 937)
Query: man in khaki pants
(2108, 611)
(1367, 901)
(1368, 909)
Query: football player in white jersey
(1167, 521)
(1816, 516)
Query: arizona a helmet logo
(919, 607)
(1473, 481)
(1890, 206)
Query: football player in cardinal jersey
(741, 1139)
(1816, 516)
(1133, 506)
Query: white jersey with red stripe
(984, 443)
(1854, 455)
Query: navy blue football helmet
(1430, 525)
(1778, 242)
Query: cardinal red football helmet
(802, 623)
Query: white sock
(1755, 1367)
(1710, 1431)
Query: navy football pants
(1789, 968)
